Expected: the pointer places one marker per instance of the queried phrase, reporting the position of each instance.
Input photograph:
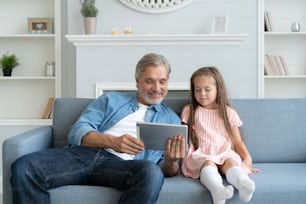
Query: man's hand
(123, 144)
(175, 148)
(127, 144)
(175, 151)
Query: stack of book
(268, 22)
(275, 65)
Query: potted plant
(8, 63)
(89, 12)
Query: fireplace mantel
(162, 39)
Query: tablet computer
(155, 135)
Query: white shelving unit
(24, 96)
(283, 42)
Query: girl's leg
(238, 178)
(211, 178)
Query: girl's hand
(248, 164)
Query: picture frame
(40, 25)
(220, 24)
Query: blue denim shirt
(109, 108)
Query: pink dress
(214, 141)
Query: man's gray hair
(151, 59)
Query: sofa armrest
(14, 147)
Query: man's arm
(174, 152)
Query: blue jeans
(32, 175)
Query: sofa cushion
(274, 129)
(176, 189)
(66, 112)
(84, 194)
(268, 129)
(280, 183)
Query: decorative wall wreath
(156, 6)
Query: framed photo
(40, 25)
(219, 24)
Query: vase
(295, 27)
(7, 72)
(90, 24)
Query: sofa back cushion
(273, 129)
(66, 112)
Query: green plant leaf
(9, 61)
(89, 9)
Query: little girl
(214, 138)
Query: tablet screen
(155, 135)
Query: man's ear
(137, 81)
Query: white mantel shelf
(163, 39)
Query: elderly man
(103, 148)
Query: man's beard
(148, 100)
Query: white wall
(241, 74)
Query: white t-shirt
(127, 125)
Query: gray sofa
(274, 131)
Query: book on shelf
(284, 64)
(268, 21)
(279, 66)
(49, 109)
(267, 66)
(275, 65)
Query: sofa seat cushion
(280, 183)
(176, 189)
(180, 189)
(77, 194)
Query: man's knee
(152, 173)
(20, 169)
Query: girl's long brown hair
(221, 100)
